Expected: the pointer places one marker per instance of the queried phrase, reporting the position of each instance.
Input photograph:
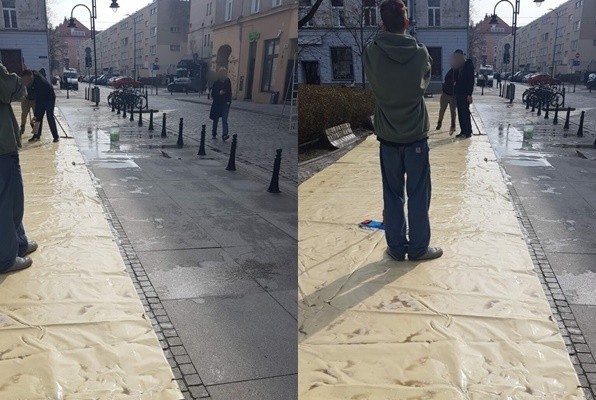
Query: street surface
(553, 181)
(211, 252)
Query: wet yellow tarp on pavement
(474, 324)
(72, 326)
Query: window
(594, 42)
(174, 47)
(544, 37)
(276, 3)
(10, 14)
(74, 32)
(497, 29)
(342, 63)
(436, 70)
(571, 17)
(305, 6)
(153, 11)
(228, 16)
(174, 29)
(338, 13)
(153, 50)
(209, 9)
(124, 41)
(271, 50)
(434, 12)
(369, 12)
(576, 25)
(574, 45)
(579, 3)
(153, 31)
(254, 6)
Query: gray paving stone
(278, 388)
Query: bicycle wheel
(140, 101)
(525, 95)
(556, 99)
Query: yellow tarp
(72, 326)
(474, 324)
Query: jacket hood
(8, 85)
(400, 48)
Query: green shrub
(321, 107)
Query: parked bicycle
(544, 94)
(128, 97)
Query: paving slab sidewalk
(213, 252)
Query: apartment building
(24, 35)
(200, 31)
(332, 44)
(68, 42)
(149, 42)
(566, 35)
(486, 39)
(257, 41)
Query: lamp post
(555, 46)
(134, 45)
(494, 22)
(93, 13)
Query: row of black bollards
(537, 104)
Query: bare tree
(309, 15)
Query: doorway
(250, 75)
(12, 60)
(436, 70)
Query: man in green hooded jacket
(14, 246)
(398, 70)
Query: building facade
(486, 38)
(24, 35)
(200, 31)
(149, 42)
(68, 42)
(566, 35)
(332, 44)
(256, 40)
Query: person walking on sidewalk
(14, 246)
(447, 98)
(45, 102)
(464, 87)
(222, 98)
(399, 69)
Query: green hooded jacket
(11, 89)
(398, 70)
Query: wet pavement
(552, 176)
(213, 251)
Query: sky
(106, 17)
(527, 13)
(59, 9)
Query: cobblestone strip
(185, 373)
(579, 351)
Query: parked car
(485, 76)
(125, 81)
(182, 85)
(591, 80)
(110, 80)
(542, 79)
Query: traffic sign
(576, 55)
(156, 60)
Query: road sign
(156, 67)
(576, 63)
(156, 60)
(576, 55)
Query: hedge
(321, 107)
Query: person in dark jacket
(447, 98)
(45, 102)
(398, 69)
(464, 87)
(221, 92)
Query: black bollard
(232, 161)
(527, 103)
(566, 126)
(180, 142)
(124, 111)
(556, 117)
(202, 146)
(534, 105)
(132, 112)
(539, 112)
(141, 116)
(274, 185)
(151, 121)
(482, 94)
(118, 108)
(547, 110)
(163, 126)
(580, 130)
(113, 105)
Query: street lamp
(93, 13)
(555, 46)
(134, 45)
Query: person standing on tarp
(399, 69)
(222, 98)
(45, 102)
(14, 246)
(27, 109)
(464, 87)
(447, 98)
